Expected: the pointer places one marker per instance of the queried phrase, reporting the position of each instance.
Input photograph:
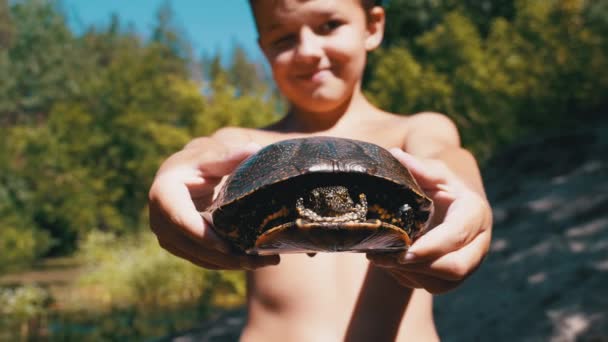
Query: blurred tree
(246, 76)
(41, 66)
(407, 19)
(7, 28)
(506, 68)
(171, 38)
(237, 95)
(21, 243)
(401, 84)
(212, 68)
(88, 159)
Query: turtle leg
(306, 213)
(406, 214)
(361, 208)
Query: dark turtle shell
(300, 195)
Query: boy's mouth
(316, 76)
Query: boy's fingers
(431, 284)
(406, 280)
(171, 248)
(462, 223)
(455, 266)
(413, 279)
(224, 164)
(200, 254)
(426, 172)
(384, 259)
(170, 203)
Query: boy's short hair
(367, 4)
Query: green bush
(20, 246)
(135, 272)
(21, 310)
(523, 68)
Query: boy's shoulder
(235, 135)
(428, 132)
(240, 136)
(231, 133)
(433, 121)
(423, 122)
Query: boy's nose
(309, 45)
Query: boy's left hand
(446, 255)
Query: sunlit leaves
(41, 64)
(527, 67)
(87, 120)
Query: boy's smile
(316, 76)
(316, 49)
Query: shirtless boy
(317, 51)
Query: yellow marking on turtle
(280, 213)
(233, 233)
(385, 215)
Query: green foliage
(21, 242)
(23, 303)
(20, 246)
(7, 28)
(407, 19)
(134, 272)
(168, 34)
(40, 65)
(86, 124)
(20, 308)
(245, 74)
(528, 67)
(226, 107)
(402, 84)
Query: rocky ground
(546, 278)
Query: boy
(317, 51)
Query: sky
(208, 24)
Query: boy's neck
(352, 111)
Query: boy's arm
(442, 258)
(435, 136)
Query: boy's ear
(375, 28)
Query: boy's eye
(284, 41)
(329, 26)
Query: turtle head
(331, 204)
(330, 200)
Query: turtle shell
(300, 195)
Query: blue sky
(209, 24)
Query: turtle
(320, 194)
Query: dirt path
(546, 278)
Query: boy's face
(317, 48)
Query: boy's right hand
(182, 188)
